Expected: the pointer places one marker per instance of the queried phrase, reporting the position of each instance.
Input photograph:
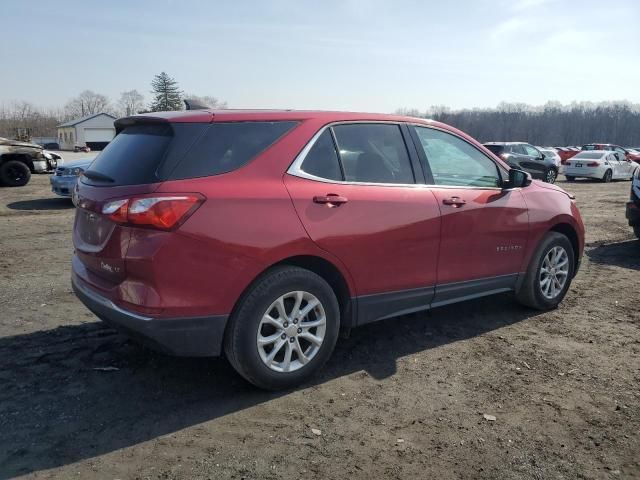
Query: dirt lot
(404, 398)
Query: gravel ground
(404, 398)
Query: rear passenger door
(484, 227)
(355, 190)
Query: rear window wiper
(92, 174)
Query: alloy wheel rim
(291, 331)
(554, 272)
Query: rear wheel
(549, 275)
(570, 178)
(551, 176)
(14, 173)
(284, 328)
(608, 175)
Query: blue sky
(368, 55)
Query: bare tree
(87, 103)
(130, 103)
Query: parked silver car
(66, 176)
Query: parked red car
(566, 153)
(623, 152)
(261, 234)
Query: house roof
(76, 121)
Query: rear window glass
(496, 149)
(597, 154)
(151, 153)
(132, 157)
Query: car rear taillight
(164, 212)
(593, 164)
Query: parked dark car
(526, 157)
(261, 234)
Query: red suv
(261, 234)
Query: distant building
(95, 131)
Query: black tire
(551, 176)
(240, 338)
(636, 230)
(570, 178)
(14, 173)
(530, 292)
(608, 176)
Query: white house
(95, 131)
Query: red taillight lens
(593, 164)
(163, 212)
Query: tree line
(552, 124)
(42, 122)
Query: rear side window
(496, 149)
(373, 153)
(322, 160)
(224, 147)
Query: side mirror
(518, 179)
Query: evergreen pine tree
(166, 94)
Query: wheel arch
(325, 269)
(571, 233)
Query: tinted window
(497, 149)
(227, 146)
(455, 162)
(151, 153)
(132, 157)
(373, 153)
(322, 160)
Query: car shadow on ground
(59, 203)
(78, 392)
(621, 254)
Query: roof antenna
(191, 104)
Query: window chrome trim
(296, 170)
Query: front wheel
(284, 328)
(14, 173)
(551, 176)
(608, 175)
(549, 275)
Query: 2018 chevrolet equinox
(261, 234)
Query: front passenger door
(484, 227)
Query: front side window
(455, 162)
(373, 153)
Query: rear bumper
(189, 337)
(633, 214)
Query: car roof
(271, 115)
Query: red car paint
(385, 239)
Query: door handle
(330, 199)
(454, 201)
